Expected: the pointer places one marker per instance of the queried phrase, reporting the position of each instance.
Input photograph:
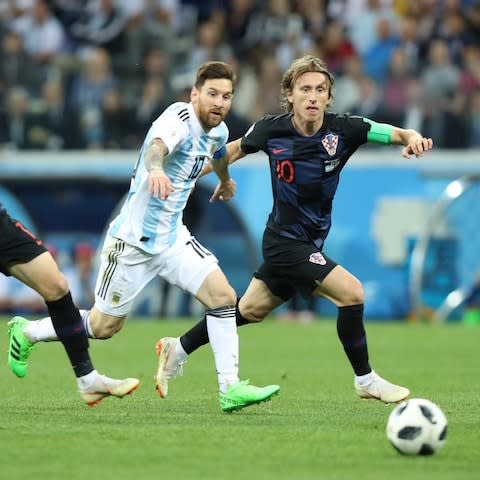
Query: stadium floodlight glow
(455, 297)
(455, 189)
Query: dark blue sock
(351, 332)
(69, 327)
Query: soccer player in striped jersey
(24, 257)
(307, 148)
(148, 237)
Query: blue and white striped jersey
(150, 223)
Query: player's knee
(227, 296)
(355, 295)
(54, 288)
(252, 312)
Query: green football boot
(241, 395)
(19, 347)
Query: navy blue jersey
(305, 170)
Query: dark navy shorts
(291, 266)
(17, 243)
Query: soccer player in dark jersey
(307, 148)
(24, 256)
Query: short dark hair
(213, 70)
(308, 63)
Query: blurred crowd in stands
(93, 74)
(79, 267)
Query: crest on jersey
(116, 297)
(330, 142)
(318, 258)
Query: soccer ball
(417, 427)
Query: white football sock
(222, 332)
(362, 380)
(42, 330)
(85, 314)
(87, 380)
(179, 353)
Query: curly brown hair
(307, 63)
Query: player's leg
(124, 272)
(346, 292)
(259, 301)
(222, 333)
(122, 275)
(42, 275)
(219, 298)
(195, 269)
(186, 264)
(255, 304)
(218, 327)
(173, 352)
(104, 325)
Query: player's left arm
(414, 142)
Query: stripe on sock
(222, 312)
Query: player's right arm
(159, 184)
(167, 132)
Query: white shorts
(125, 270)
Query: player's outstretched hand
(417, 146)
(224, 190)
(159, 184)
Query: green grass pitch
(315, 429)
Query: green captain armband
(379, 132)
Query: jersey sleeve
(220, 147)
(220, 153)
(170, 128)
(355, 129)
(379, 132)
(255, 138)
